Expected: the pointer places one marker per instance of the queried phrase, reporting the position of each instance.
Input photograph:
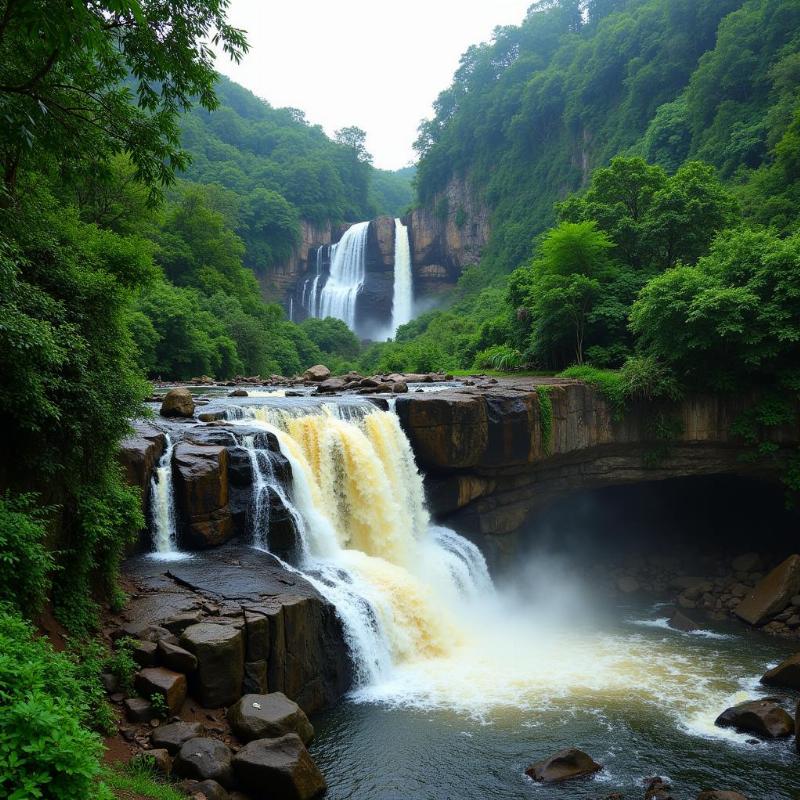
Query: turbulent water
(403, 291)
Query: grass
(499, 373)
(133, 782)
(609, 382)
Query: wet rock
(681, 622)
(204, 759)
(219, 650)
(172, 736)
(764, 718)
(145, 654)
(200, 474)
(772, 594)
(564, 765)
(177, 403)
(716, 794)
(317, 373)
(137, 709)
(785, 675)
(279, 768)
(238, 393)
(162, 681)
(658, 789)
(259, 716)
(176, 658)
(399, 387)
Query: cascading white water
(403, 290)
(291, 309)
(162, 504)
(348, 260)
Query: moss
(545, 418)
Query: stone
(238, 393)
(145, 654)
(764, 718)
(716, 794)
(110, 682)
(260, 716)
(658, 789)
(211, 790)
(786, 674)
(772, 594)
(399, 387)
(204, 759)
(255, 677)
(162, 681)
(200, 480)
(177, 658)
(797, 727)
(331, 385)
(138, 455)
(564, 765)
(219, 650)
(160, 759)
(172, 736)
(747, 562)
(137, 709)
(178, 403)
(317, 373)
(180, 622)
(627, 585)
(279, 768)
(681, 622)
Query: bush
(26, 564)
(46, 748)
(500, 357)
(646, 378)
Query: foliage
(122, 665)
(608, 382)
(499, 357)
(26, 563)
(140, 778)
(545, 418)
(45, 750)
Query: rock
(747, 562)
(138, 455)
(627, 585)
(255, 677)
(180, 622)
(178, 403)
(204, 759)
(317, 373)
(172, 736)
(764, 718)
(681, 622)
(279, 768)
(162, 681)
(785, 675)
(797, 727)
(200, 475)
(331, 385)
(238, 393)
(177, 658)
(658, 789)
(160, 759)
(260, 716)
(772, 594)
(137, 709)
(110, 682)
(564, 765)
(211, 790)
(219, 650)
(399, 387)
(716, 794)
(145, 654)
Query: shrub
(500, 357)
(646, 378)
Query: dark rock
(145, 654)
(110, 682)
(179, 623)
(219, 650)
(278, 769)
(162, 681)
(658, 789)
(772, 594)
(716, 794)
(178, 403)
(681, 622)
(139, 454)
(137, 709)
(158, 758)
(259, 716)
(204, 759)
(256, 636)
(786, 674)
(399, 387)
(207, 790)
(331, 385)
(255, 677)
(238, 393)
(764, 718)
(172, 736)
(564, 765)
(176, 657)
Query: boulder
(771, 594)
(658, 789)
(159, 680)
(278, 769)
(785, 675)
(680, 622)
(171, 737)
(204, 759)
(176, 658)
(399, 387)
(331, 385)
(716, 794)
(200, 477)
(261, 716)
(255, 677)
(209, 790)
(764, 718)
(178, 403)
(138, 455)
(137, 709)
(144, 653)
(317, 373)
(158, 758)
(219, 650)
(238, 393)
(564, 765)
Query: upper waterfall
(348, 270)
(403, 290)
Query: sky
(370, 63)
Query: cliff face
(447, 235)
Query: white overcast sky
(370, 63)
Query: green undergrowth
(545, 418)
(499, 373)
(609, 382)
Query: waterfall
(162, 504)
(291, 309)
(348, 257)
(403, 292)
(367, 544)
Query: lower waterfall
(162, 504)
(366, 539)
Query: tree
(70, 71)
